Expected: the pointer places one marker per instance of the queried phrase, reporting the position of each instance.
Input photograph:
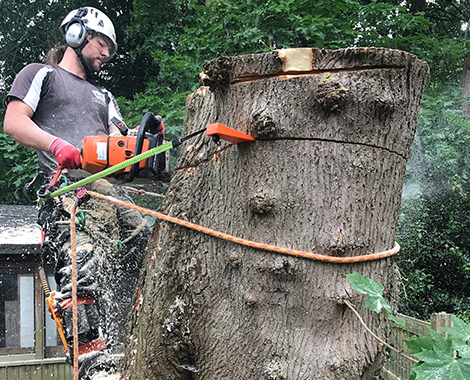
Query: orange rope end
(74, 292)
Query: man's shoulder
(33, 68)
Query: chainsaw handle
(146, 123)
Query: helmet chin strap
(90, 75)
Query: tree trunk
(465, 83)
(333, 131)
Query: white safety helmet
(78, 22)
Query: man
(51, 108)
(50, 124)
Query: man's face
(97, 51)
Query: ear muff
(75, 34)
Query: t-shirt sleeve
(28, 84)
(113, 109)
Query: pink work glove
(66, 154)
(161, 128)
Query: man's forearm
(19, 126)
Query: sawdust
(101, 218)
(105, 376)
(112, 244)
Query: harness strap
(95, 345)
(66, 304)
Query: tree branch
(351, 306)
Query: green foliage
(375, 300)
(239, 27)
(442, 357)
(390, 25)
(17, 169)
(166, 95)
(433, 224)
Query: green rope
(81, 220)
(108, 171)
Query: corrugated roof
(19, 232)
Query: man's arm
(114, 129)
(18, 124)
(21, 128)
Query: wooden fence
(41, 369)
(397, 367)
(50, 369)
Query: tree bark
(465, 83)
(333, 131)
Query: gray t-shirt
(64, 105)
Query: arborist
(52, 107)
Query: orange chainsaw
(101, 152)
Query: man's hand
(161, 128)
(66, 154)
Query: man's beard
(91, 66)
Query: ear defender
(75, 34)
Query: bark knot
(331, 95)
(217, 72)
(264, 126)
(261, 203)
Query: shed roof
(19, 232)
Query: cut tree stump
(333, 131)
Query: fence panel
(397, 367)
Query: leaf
(460, 330)
(440, 357)
(365, 285)
(459, 335)
(399, 321)
(437, 364)
(419, 343)
(377, 303)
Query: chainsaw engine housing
(100, 152)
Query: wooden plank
(387, 375)
(39, 314)
(439, 320)
(416, 326)
(24, 372)
(36, 373)
(13, 373)
(49, 371)
(3, 373)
